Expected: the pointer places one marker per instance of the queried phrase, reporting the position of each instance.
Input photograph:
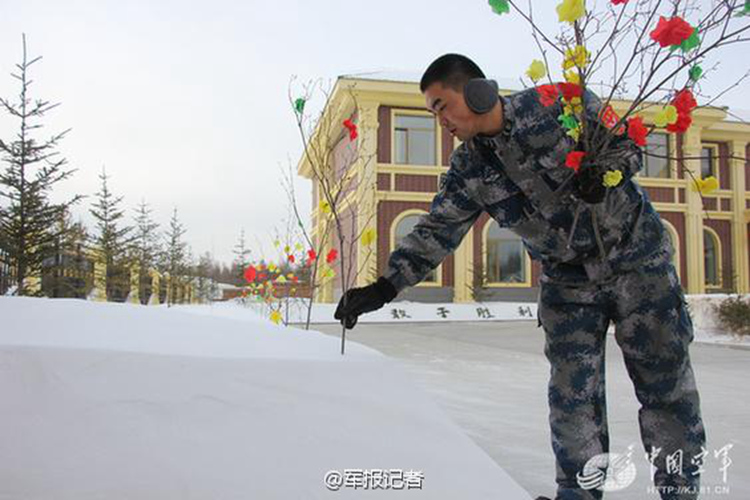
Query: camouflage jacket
(520, 179)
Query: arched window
(675, 239)
(711, 258)
(505, 256)
(404, 226)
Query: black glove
(362, 300)
(589, 183)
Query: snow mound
(108, 401)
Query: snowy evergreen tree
(27, 222)
(145, 248)
(207, 287)
(175, 256)
(145, 245)
(112, 241)
(67, 272)
(241, 259)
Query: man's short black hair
(452, 70)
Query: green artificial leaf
(692, 42)
(695, 73)
(745, 10)
(569, 122)
(688, 44)
(299, 105)
(500, 6)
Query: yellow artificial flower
(572, 76)
(327, 273)
(324, 207)
(576, 57)
(612, 178)
(286, 249)
(281, 279)
(368, 237)
(537, 70)
(573, 106)
(272, 267)
(276, 317)
(276, 243)
(569, 11)
(575, 133)
(666, 116)
(298, 246)
(706, 185)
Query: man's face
(450, 108)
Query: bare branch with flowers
(339, 172)
(648, 56)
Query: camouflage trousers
(653, 329)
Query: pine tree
(27, 223)
(175, 256)
(207, 273)
(203, 280)
(241, 259)
(112, 242)
(145, 246)
(67, 271)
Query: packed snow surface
(120, 401)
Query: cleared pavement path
(491, 379)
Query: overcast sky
(185, 103)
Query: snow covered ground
(705, 321)
(103, 401)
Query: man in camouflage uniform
(603, 259)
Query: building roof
(738, 115)
(414, 77)
(227, 286)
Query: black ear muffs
(481, 95)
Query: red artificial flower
(684, 120)
(618, 2)
(310, 257)
(684, 101)
(672, 31)
(570, 90)
(352, 129)
(295, 279)
(574, 158)
(291, 258)
(331, 255)
(262, 276)
(250, 274)
(547, 94)
(637, 131)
